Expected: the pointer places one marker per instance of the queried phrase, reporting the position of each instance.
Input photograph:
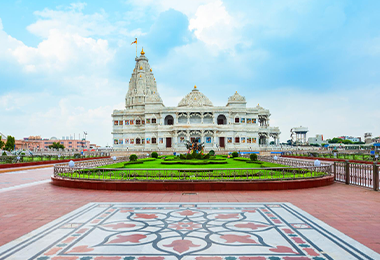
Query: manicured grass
(156, 164)
(149, 170)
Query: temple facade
(146, 124)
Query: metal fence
(86, 170)
(5, 159)
(365, 175)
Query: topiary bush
(4, 154)
(182, 157)
(207, 156)
(198, 156)
(189, 156)
(154, 155)
(133, 157)
(253, 157)
(211, 153)
(234, 154)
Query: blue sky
(64, 65)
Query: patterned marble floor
(172, 231)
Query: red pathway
(352, 210)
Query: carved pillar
(176, 118)
(188, 118)
(175, 139)
(202, 118)
(214, 143)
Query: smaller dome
(195, 99)
(236, 98)
(53, 138)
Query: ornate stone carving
(195, 99)
(154, 98)
(236, 98)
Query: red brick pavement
(352, 210)
(13, 178)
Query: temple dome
(195, 99)
(236, 98)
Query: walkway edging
(193, 186)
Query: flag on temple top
(134, 41)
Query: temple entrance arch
(222, 120)
(168, 142)
(169, 120)
(222, 143)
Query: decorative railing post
(375, 176)
(347, 172)
(334, 171)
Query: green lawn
(156, 164)
(150, 170)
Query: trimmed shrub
(255, 162)
(241, 159)
(147, 159)
(189, 156)
(182, 157)
(4, 154)
(133, 162)
(198, 156)
(195, 162)
(207, 156)
(234, 154)
(253, 157)
(154, 155)
(211, 152)
(77, 155)
(133, 157)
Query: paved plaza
(42, 221)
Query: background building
(146, 124)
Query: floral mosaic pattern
(121, 231)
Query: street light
(275, 158)
(317, 163)
(71, 164)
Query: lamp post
(317, 163)
(71, 164)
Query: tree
(335, 140)
(57, 145)
(1, 143)
(10, 145)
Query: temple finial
(142, 51)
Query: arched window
(237, 119)
(169, 120)
(237, 139)
(138, 141)
(222, 120)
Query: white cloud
(72, 21)
(215, 26)
(61, 51)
